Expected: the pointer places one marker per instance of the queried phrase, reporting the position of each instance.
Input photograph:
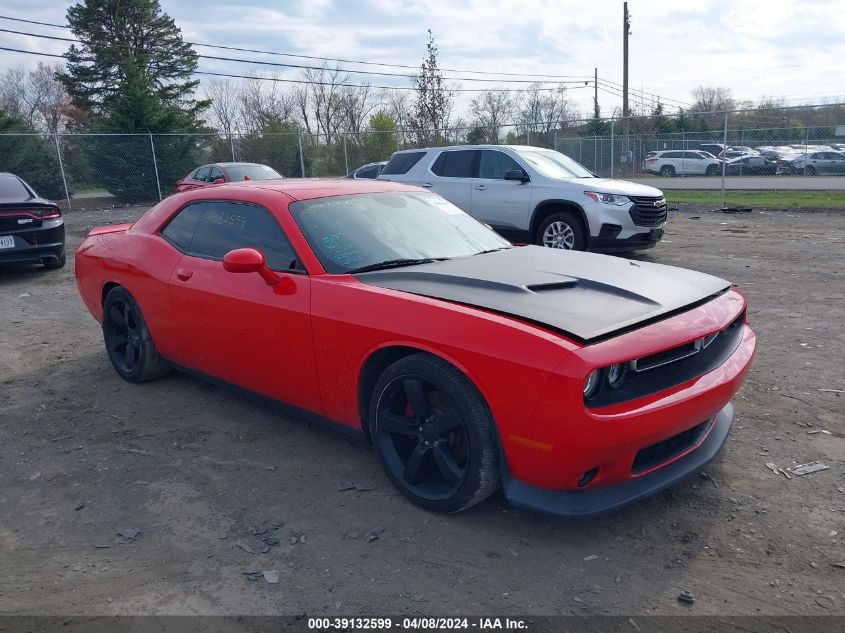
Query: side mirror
(218, 181)
(249, 260)
(517, 174)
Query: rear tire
(562, 230)
(434, 435)
(128, 341)
(667, 171)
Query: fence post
(724, 162)
(232, 146)
(345, 154)
(612, 148)
(62, 169)
(528, 136)
(301, 157)
(155, 165)
(806, 142)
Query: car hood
(585, 296)
(624, 187)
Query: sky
(757, 48)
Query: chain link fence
(675, 152)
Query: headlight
(593, 384)
(608, 198)
(616, 375)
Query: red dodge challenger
(577, 382)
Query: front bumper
(593, 501)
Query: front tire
(712, 170)
(434, 435)
(128, 341)
(562, 230)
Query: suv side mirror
(516, 174)
(249, 260)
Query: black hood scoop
(585, 296)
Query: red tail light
(50, 213)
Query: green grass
(759, 199)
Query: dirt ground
(219, 485)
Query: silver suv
(535, 195)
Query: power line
(614, 84)
(303, 67)
(305, 81)
(328, 59)
(326, 83)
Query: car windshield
(348, 233)
(554, 164)
(251, 172)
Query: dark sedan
(218, 173)
(32, 230)
(750, 166)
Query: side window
(673, 155)
(402, 163)
(216, 173)
(202, 174)
(455, 164)
(692, 156)
(180, 230)
(225, 226)
(494, 165)
(367, 172)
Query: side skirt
(284, 407)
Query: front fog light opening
(593, 384)
(616, 375)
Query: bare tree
(542, 110)
(711, 99)
(263, 103)
(491, 109)
(225, 109)
(35, 97)
(357, 103)
(435, 98)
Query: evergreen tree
(133, 73)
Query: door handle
(427, 185)
(184, 275)
(480, 187)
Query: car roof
(454, 147)
(233, 164)
(310, 188)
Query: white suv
(678, 163)
(535, 195)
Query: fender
(532, 225)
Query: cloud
(754, 47)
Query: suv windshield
(352, 232)
(253, 172)
(554, 164)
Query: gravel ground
(221, 489)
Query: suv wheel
(562, 230)
(667, 171)
(712, 170)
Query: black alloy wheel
(434, 435)
(128, 342)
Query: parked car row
(742, 160)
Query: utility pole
(626, 30)
(596, 110)
(626, 123)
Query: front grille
(648, 210)
(663, 370)
(662, 452)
